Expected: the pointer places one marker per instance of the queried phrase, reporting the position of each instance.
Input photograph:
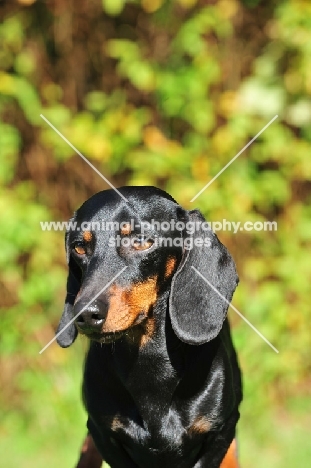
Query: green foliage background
(162, 93)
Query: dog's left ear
(66, 329)
(197, 311)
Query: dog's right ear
(66, 331)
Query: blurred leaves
(9, 147)
(166, 94)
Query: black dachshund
(162, 385)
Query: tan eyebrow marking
(126, 229)
(87, 236)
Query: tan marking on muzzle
(148, 332)
(128, 307)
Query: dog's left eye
(142, 243)
(80, 249)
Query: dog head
(122, 255)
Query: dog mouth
(108, 337)
(101, 336)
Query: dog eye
(80, 249)
(142, 243)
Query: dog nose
(90, 316)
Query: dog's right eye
(142, 243)
(80, 249)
